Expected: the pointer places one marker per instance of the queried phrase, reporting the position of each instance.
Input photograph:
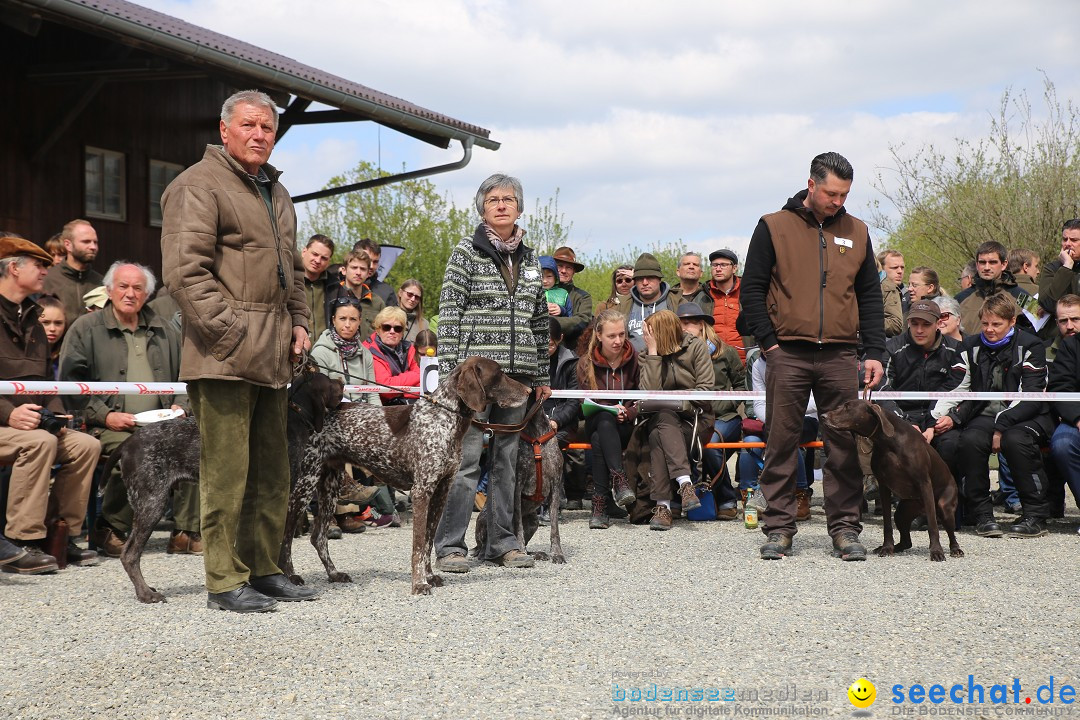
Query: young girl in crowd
(55, 322)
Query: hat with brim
(16, 246)
(566, 255)
(692, 311)
(925, 310)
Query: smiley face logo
(862, 693)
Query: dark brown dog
(413, 448)
(907, 466)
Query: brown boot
(184, 543)
(599, 519)
(620, 486)
(689, 497)
(350, 523)
(802, 509)
(661, 518)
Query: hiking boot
(543, 516)
(1028, 527)
(1015, 508)
(615, 512)
(777, 546)
(575, 504)
(34, 562)
(802, 504)
(870, 487)
(620, 487)
(453, 563)
(515, 559)
(108, 541)
(921, 522)
(333, 531)
(599, 519)
(847, 547)
(727, 513)
(182, 542)
(350, 523)
(689, 497)
(358, 494)
(77, 556)
(988, 527)
(661, 518)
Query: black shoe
(847, 547)
(921, 522)
(997, 497)
(988, 527)
(77, 556)
(616, 512)
(244, 599)
(1028, 527)
(281, 588)
(9, 551)
(777, 546)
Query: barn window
(106, 186)
(161, 174)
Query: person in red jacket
(394, 357)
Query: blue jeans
(723, 431)
(752, 460)
(1005, 482)
(1065, 452)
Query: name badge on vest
(844, 244)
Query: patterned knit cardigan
(480, 315)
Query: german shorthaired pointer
(907, 466)
(413, 448)
(157, 457)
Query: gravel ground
(690, 608)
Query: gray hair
(831, 162)
(495, 182)
(688, 254)
(110, 274)
(249, 97)
(948, 304)
(6, 263)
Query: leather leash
(504, 429)
(538, 456)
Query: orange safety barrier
(713, 446)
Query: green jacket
(581, 314)
(729, 374)
(95, 350)
(688, 368)
(360, 369)
(69, 284)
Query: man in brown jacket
(229, 257)
(810, 292)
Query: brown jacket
(69, 284)
(222, 253)
(894, 313)
(688, 368)
(24, 354)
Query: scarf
(397, 357)
(1003, 341)
(347, 348)
(504, 246)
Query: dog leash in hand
(509, 429)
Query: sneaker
(1028, 527)
(777, 546)
(620, 487)
(599, 519)
(34, 562)
(182, 542)
(379, 521)
(802, 504)
(515, 559)
(661, 518)
(77, 556)
(453, 563)
(543, 516)
(358, 494)
(395, 520)
(847, 547)
(689, 497)
(106, 540)
(988, 527)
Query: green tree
(1016, 186)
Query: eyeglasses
(509, 201)
(343, 301)
(412, 295)
(722, 265)
(387, 327)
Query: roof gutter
(270, 76)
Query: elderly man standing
(810, 287)
(127, 341)
(30, 444)
(228, 247)
(72, 278)
(492, 305)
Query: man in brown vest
(810, 284)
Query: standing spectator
(1002, 358)
(650, 294)
(357, 267)
(394, 357)
(1062, 276)
(239, 282)
(949, 319)
(724, 297)
(609, 362)
(581, 302)
(690, 287)
(321, 288)
(410, 297)
(381, 289)
(968, 274)
(892, 264)
(622, 282)
(55, 247)
(1065, 377)
(992, 279)
(492, 305)
(27, 443)
(892, 303)
(923, 284)
(73, 278)
(808, 324)
(54, 321)
(127, 341)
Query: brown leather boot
(624, 496)
(802, 508)
(599, 519)
(184, 543)
(661, 519)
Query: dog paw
(540, 555)
(956, 552)
(903, 546)
(558, 559)
(937, 555)
(153, 596)
(421, 589)
(340, 577)
(883, 551)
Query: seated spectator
(622, 281)
(558, 299)
(1024, 266)
(30, 444)
(563, 413)
(1065, 377)
(127, 341)
(426, 344)
(1002, 358)
(608, 362)
(649, 295)
(55, 247)
(341, 355)
(674, 360)
(394, 357)
(728, 374)
(54, 321)
(923, 284)
(967, 275)
(411, 299)
(949, 322)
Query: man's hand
(995, 444)
(943, 425)
(176, 407)
(1066, 259)
(300, 343)
(928, 433)
(542, 393)
(119, 421)
(25, 417)
(872, 373)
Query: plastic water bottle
(750, 512)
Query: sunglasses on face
(622, 280)
(412, 295)
(387, 327)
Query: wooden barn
(107, 101)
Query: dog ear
(470, 387)
(882, 416)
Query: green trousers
(243, 479)
(116, 511)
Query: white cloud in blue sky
(660, 120)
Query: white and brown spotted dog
(413, 448)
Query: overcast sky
(659, 121)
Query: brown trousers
(669, 451)
(792, 372)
